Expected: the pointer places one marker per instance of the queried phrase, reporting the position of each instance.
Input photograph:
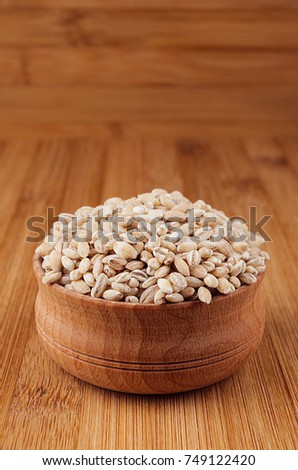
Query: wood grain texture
(172, 29)
(226, 67)
(47, 408)
(148, 349)
(126, 105)
(167, 129)
(11, 68)
(102, 67)
(157, 4)
(100, 98)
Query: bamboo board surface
(115, 97)
(46, 407)
(148, 67)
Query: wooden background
(147, 67)
(115, 97)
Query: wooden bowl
(149, 348)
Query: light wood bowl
(149, 349)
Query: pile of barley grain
(153, 254)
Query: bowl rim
(38, 270)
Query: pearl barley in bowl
(153, 294)
(155, 248)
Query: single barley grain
(97, 268)
(247, 278)
(169, 245)
(110, 272)
(235, 281)
(51, 277)
(224, 286)
(225, 248)
(159, 297)
(121, 287)
(204, 295)
(139, 275)
(203, 235)
(198, 271)
(70, 253)
(111, 294)
(193, 281)
(205, 252)
(163, 271)
(193, 258)
(238, 268)
(187, 292)
(123, 277)
(100, 285)
(68, 287)
(186, 247)
(175, 297)
(145, 255)
(132, 265)
(46, 264)
(67, 263)
(208, 265)
(251, 270)
(80, 287)
(169, 258)
(154, 264)
(165, 286)
(124, 250)
(178, 281)
(84, 265)
(133, 282)
(211, 281)
(89, 279)
(44, 249)
(147, 297)
(132, 299)
(220, 271)
(160, 254)
(64, 279)
(83, 249)
(181, 266)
